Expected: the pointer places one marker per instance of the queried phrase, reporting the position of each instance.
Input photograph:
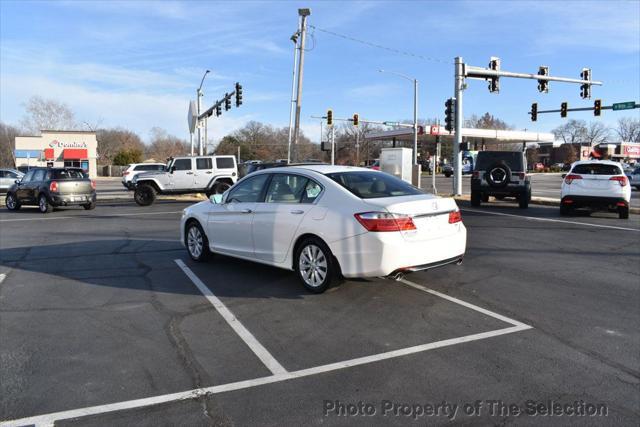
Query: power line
(377, 46)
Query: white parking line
(534, 218)
(88, 216)
(50, 419)
(246, 336)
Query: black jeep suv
(500, 174)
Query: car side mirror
(18, 181)
(172, 169)
(564, 175)
(216, 199)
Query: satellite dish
(192, 117)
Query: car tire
(144, 195)
(506, 175)
(448, 174)
(476, 198)
(89, 206)
(44, 205)
(523, 200)
(623, 212)
(11, 202)
(196, 242)
(565, 210)
(315, 265)
(485, 198)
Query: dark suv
(52, 187)
(500, 174)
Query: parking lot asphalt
(104, 320)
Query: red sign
(74, 154)
(48, 154)
(631, 150)
(434, 130)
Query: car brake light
(454, 217)
(522, 175)
(53, 187)
(125, 173)
(93, 184)
(383, 221)
(569, 178)
(622, 180)
(621, 204)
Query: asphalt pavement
(100, 325)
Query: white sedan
(326, 222)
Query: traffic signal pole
(493, 74)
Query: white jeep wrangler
(186, 175)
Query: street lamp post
(415, 114)
(200, 95)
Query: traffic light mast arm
(373, 122)
(483, 73)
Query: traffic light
(227, 102)
(449, 114)
(238, 95)
(218, 110)
(494, 82)
(534, 112)
(329, 117)
(585, 89)
(543, 85)
(597, 107)
(563, 109)
(356, 119)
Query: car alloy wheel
(195, 242)
(43, 204)
(11, 202)
(313, 266)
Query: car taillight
(383, 221)
(125, 173)
(569, 178)
(53, 187)
(522, 175)
(476, 174)
(454, 217)
(622, 180)
(93, 184)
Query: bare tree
(47, 114)
(574, 131)
(628, 129)
(113, 141)
(164, 145)
(596, 133)
(7, 139)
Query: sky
(137, 64)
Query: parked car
(634, 177)
(187, 175)
(137, 168)
(254, 167)
(8, 177)
(52, 187)
(501, 174)
(597, 185)
(326, 222)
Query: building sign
(631, 150)
(57, 144)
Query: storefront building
(55, 148)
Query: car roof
(590, 162)
(326, 169)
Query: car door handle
(246, 211)
(209, 172)
(189, 173)
(297, 212)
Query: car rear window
(68, 174)
(513, 159)
(373, 185)
(596, 169)
(225, 163)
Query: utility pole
(415, 125)
(457, 155)
(333, 145)
(303, 38)
(294, 39)
(200, 95)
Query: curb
(542, 201)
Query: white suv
(136, 168)
(596, 184)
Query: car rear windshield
(373, 185)
(596, 169)
(513, 159)
(68, 174)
